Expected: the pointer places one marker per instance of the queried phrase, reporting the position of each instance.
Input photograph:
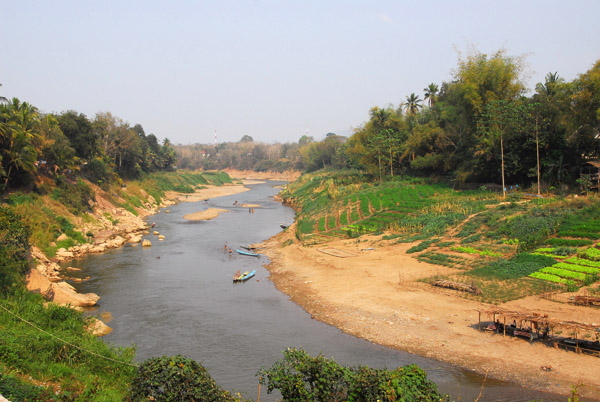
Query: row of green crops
(564, 273)
(582, 261)
(551, 278)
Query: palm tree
(19, 137)
(2, 98)
(548, 88)
(431, 93)
(412, 104)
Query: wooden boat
(247, 253)
(246, 275)
(249, 248)
(238, 278)
(283, 226)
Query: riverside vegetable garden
(509, 248)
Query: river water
(178, 297)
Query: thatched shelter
(540, 326)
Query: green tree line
(102, 149)
(479, 127)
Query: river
(178, 297)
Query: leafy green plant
(175, 378)
(471, 250)
(591, 253)
(577, 268)
(519, 266)
(421, 246)
(303, 378)
(563, 273)
(570, 242)
(583, 261)
(550, 277)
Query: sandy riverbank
(374, 294)
(209, 192)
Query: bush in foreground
(303, 378)
(176, 378)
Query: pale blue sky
(269, 68)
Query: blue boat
(247, 253)
(245, 276)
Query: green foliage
(531, 229)
(519, 266)
(591, 253)
(303, 378)
(471, 239)
(98, 171)
(75, 196)
(583, 261)
(551, 278)
(421, 246)
(563, 273)
(15, 389)
(14, 249)
(321, 226)
(81, 375)
(471, 250)
(577, 268)
(175, 378)
(446, 260)
(570, 242)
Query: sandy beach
(369, 289)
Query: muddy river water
(178, 297)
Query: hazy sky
(269, 68)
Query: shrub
(99, 172)
(175, 378)
(75, 197)
(303, 378)
(14, 249)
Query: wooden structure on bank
(540, 326)
(591, 170)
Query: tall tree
(412, 104)
(431, 93)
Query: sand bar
(208, 192)
(205, 215)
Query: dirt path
(375, 295)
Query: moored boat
(247, 253)
(245, 276)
